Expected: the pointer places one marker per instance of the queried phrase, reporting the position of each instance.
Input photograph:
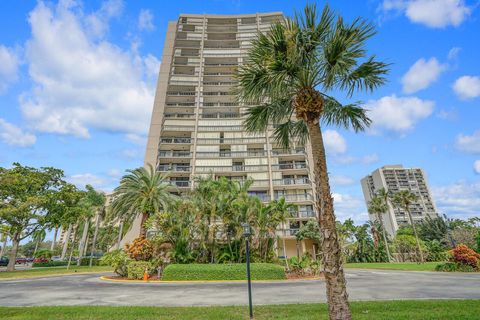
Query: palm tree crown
(142, 191)
(288, 78)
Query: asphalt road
(362, 285)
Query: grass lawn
(392, 310)
(40, 272)
(411, 266)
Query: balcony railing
(174, 154)
(180, 184)
(178, 93)
(176, 140)
(230, 154)
(229, 140)
(180, 115)
(277, 152)
(220, 115)
(174, 168)
(220, 104)
(220, 83)
(181, 104)
(178, 128)
(219, 93)
(235, 168)
(295, 197)
(287, 166)
(291, 181)
(220, 128)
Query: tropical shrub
(405, 247)
(49, 264)
(305, 266)
(141, 249)
(436, 251)
(478, 240)
(237, 271)
(44, 254)
(453, 267)
(118, 260)
(463, 255)
(85, 261)
(136, 269)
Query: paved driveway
(362, 285)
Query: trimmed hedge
(86, 261)
(136, 269)
(188, 272)
(50, 264)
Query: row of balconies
(250, 168)
(216, 115)
(228, 154)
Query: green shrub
(454, 267)
(259, 271)
(136, 269)
(44, 254)
(86, 261)
(49, 264)
(118, 260)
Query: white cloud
(467, 87)
(334, 142)
(459, 200)
(152, 65)
(137, 139)
(82, 179)
(145, 20)
(97, 22)
(476, 166)
(398, 114)
(341, 180)
(82, 81)
(9, 62)
(347, 159)
(13, 135)
(422, 74)
(469, 144)
(453, 53)
(350, 207)
(432, 13)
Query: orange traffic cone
(145, 275)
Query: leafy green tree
(4, 233)
(288, 76)
(26, 196)
(403, 200)
(142, 191)
(378, 207)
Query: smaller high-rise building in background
(396, 178)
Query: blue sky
(77, 83)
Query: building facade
(196, 127)
(395, 178)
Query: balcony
(181, 104)
(180, 115)
(220, 128)
(233, 168)
(181, 93)
(291, 181)
(295, 197)
(174, 154)
(280, 152)
(180, 184)
(230, 140)
(176, 140)
(178, 128)
(173, 168)
(220, 104)
(230, 154)
(290, 166)
(220, 115)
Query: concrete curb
(52, 275)
(104, 278)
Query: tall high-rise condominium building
(395, 178)
(196, 127)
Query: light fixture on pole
(247, 232)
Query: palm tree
(143, 191)
(4, 231)
(288, 76)
(403, 200)
(38, 236)
(378, 207)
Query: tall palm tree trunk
(67, 240)
(120, 231)
(73, 247)
(143, 230)
(13, 253)
(384, 235)
(94, 241)
(52, 246)
(337, 296)
(83, 241)
(4, 244)
(419, 249)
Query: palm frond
(346, 116)
(367, 76)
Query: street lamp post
(246, 233)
